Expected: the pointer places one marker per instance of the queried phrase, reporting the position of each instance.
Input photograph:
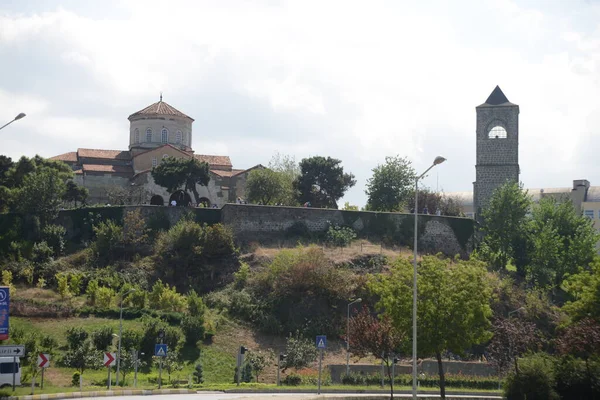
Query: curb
(105, 393)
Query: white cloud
(349, 79)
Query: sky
(354, 80)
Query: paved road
(273, 396)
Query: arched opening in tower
(181, 198)
(157, 200)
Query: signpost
(43, 362)
(14, 352)
(160, 350)
(4, 311)
(321, 345)
(109, 361)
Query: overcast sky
(355, 80)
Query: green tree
(453, 304)
(75, 193)
(583, 289)
(82, 357)
(434, 201)
(198, 373)
(289, 171)
(258, 361)
(174, 174)
(102, 338)
(322, 181)
(390, 186)
(41, 195)
(562, 242)
(300, 351)
(265, 186)
(504, 226)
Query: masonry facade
(155, 133)
(497, 159)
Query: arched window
(164, 135)
(148, 135)
(185, 139)
(497, 132)
(154, 162)
(165, 156)
(178, 137)
(137, 135)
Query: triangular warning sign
(161, 351)
(321, 343)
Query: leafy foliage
(340, 236)
(102, 338)
(581, 339)
(109, 237)
(535, 381)
(390, 186)
(288, 170)
(265, 186)
(322, 181)
(174, 174)
(258, 361)
(512, 338)
(434, 201)
(453, 304)
(584, 289)
(75, 194)
(198, 373)
(300, 352)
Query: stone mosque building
(497, 160)
(155, 132)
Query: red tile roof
(226, 173)
(159, 108)
(112, 169)
(108, 154)
(68, 157)
(223, 161)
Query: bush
(535, 380)
(137, 299)
(91, 292)
(192, 328)
(340, 236)
(218, 241)
(292, 380)
(75, 379)
(109, 237)
(576, 381)
(63, 286)
(41, 253)
(195, 305)
(75, 281)
(198, 374)
(54, 236)
(76, 337)
(163, 297)
(102, 338)
(104, 297)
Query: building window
(148, 135)
(165, 156)
(178, 137)
(185, 139)
(497, 132)
(137, 135)
(589, 213)
(164, 135)
(154, 162)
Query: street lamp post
(438, 160)
(120, 335)
(18, 117)
(348, 336)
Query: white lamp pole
(121, 334)
(18, 117)
(438, 160)
(348, 336)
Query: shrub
(577, 380)
(76, 337)
(292, 380)
(109, 237)
(91, 292)
(75, 379)
(138, 298)
(104, 297)
(195, 305)
(192, 328)
(218, 241)
(535, 380)
(41, 252)
(41, 283)
(241, 276)
(340, 236)
(54, 236)
(198, 374)
(135, 232)
(75, 281)
(102, 338)
(163, 297)
(63, 286)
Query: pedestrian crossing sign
(160, 350)
(321, 342)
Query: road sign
(109, 359)
(4, 307)
(43, 360)
(321, 342)
(12, 351)
(160, 350)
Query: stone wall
(428, 367)
(264, 224)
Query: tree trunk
(438, 355)
(196, 194)
(516, 367)
(389, 370)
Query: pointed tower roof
(159, 108)
(497, 98)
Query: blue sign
(4, 304)
(160, 350)
(321, 342)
